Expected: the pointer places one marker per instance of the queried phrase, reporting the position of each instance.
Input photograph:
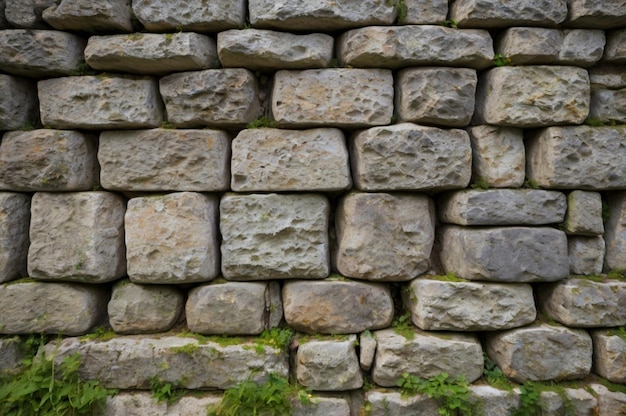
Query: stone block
(290, 160)
(442, 96)
(421, 12)
(213, 97)
(88, 226)
(322, 405)
(415, 45)
(590, 14)
(19, 107)
(384, 237)
(586, 254)
(26, 14)
(537, 352)
(532, 96)
(11, 354)
(498, 156)
(608, 106)
(151, 53)
(335, 97)
(502, 207)
(143, 403)
(172, 238)
(567, 401)
(144, 309)
(582, 47)
(271, 236)
(609, 402)
(190, 15)
(51, 308)
(584, 213)
(495, 14)
(270, 50)
(103, 16)
(607, 76)
(609, 355)
(425, 355)
(211, 308)
(469, 306)
(407, 156)
(100, 102)
(615, 232)
(40, 53)
(165, 160)
(540, 253)
(577, 157)
(367, 350)
(493, 401)
(48, 160)
(336, 306)
(328, 364)
(385, 402)
(615, 51)
(14, 223)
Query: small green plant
(480, 183)
(262, 122)
(187, 349)
(26, 127)
(450, 23)
(594, 122)
(402, 326)
(529, 400)
(531, 184)
(450, 277)
(101, 333)
(501, 60)
(401, 12)
(494, 375)
(277, 337)
(169, 37)
(164, 391)
(619, 332)
(167, 125)
(452, 393)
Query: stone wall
(410, 186)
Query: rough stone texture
(609, 403)
(494, 402)
(469, 306)
(51, 308)
(48, 160)
(384, 237)
(172, 238)
(165, 160)
(537, 352)
(19, 106)
(584, 213)
(100, 102)
(190, 15)
(582, 47)
(609, 358)
(586, 254)
(77, 236)
(323, 406)
(420, 12)
(607, 76)
(142, 403)
(274, 236)
(336, 306)
(426, 355)
(577, 157)
(40, 53)
(151, 53)
(211, 309)
(290, 160)
(103, 16)
(329, 364)
(615, 232)
(14, 222)
(213, 97)
(143, 309)
(585, 303)
(389, 402)
(615, 51)
(337, 97)
(502, 207)
(496, 14)
(532, 96)
(540, 254)
(608, 106)
(568, 401)
(443, 96)
(402, 46)
(591, 14)
(584, 402)
(130, 362)
(320, 15)
(27, 13)
(498, 156)
(367, 350)
(270, 50)
(407, 156)
(11, 354)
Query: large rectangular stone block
(608, 106)
(103, 16)
(19, 107)
(498, 156)
(586, 254)
(14, 222)
(496, 14)
(26, 14)
(591, 14)
(615, 51)
(609, 358)
(420, 12)
(615, 232)
(607, 76)
(584, 214)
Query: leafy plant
(262, 122)
(100, 334)
(494, 375)
(480, 183)
(452, 393)
(529, 183)
(501, 60)
(277, 337)
(402, 326)
(529, 400)
(164, 391)
(450, 23)
(167, 125)
(401, 11)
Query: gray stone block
(608, 106)
(609, 357)
(26, 14)
(494, 402)
(615, 232)
(420, 12)
(584, 213)
(586, 254)
(322, 405)
(598, 15)
(385, 402)
(615, 51)
(11, 354)
(609, 402)
(143, 403)
(367, 350)
(607, 76)
(582, 47)
(495, 14)
(103, 16)
(19, 106)
(14, 223)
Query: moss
(450, 277)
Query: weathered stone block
(11, 354)
(609, 355)
(274, 236)
(586, 254)
(384, 237)
(336, 306)
(51, 308)
(609, 402)
(406, 156)
(337, 97)
(100, 102)
(389, 402)
(144, 309)
(48, 160)
(14, 222)
(402, 46)
(267, 49)
(420, 12)
(537, 352)
(577, 157)
(213, 97)
(590, 14)
(608, 106)
(495, 14)
(574, 401)
(485, 253)
(493, 401)
(615, 232)
(103, 16)
(323, 406)
(211, 308)
(290, 160)
(89, 229)
(165, 160)
(367, 350)
(532, 96)
(607, 76)
(19, 106)
(143, 403)
(582, 47)
(172, 238)
(584, 213)
(426, 355)
(26, 14)
(615, 51)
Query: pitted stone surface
(586, 254)
(609, 358)
(582, 47)
(102, 16)
(609, 402)
(323, 405)
(367, 350)
(390, 402)
(100, 102)
(615, 232)
(336, 306)
(495, 402)
(14, 221)
(19, 106)
(420, 12)
(89, 226)
(11, 354)
(48, 160)
(584, 213)
(608, 106)
(172, 238)
(143, 403)
(384, 237)
(485, 253)
(407, 156)
(607, 76)
(498, 156)
(402, 46)
(274, 236)
(165, 160)
(591, 14)
(496, 14)
(26, 14)
(336, 97)
(615, 51)
(290, 160)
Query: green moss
(480, 183)
(262, 122)
(100, 334)
(450, 277)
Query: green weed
(480, 183)
(262, 122)
(402, 326)
(452, 393)
(501, 60)
(164, 391)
